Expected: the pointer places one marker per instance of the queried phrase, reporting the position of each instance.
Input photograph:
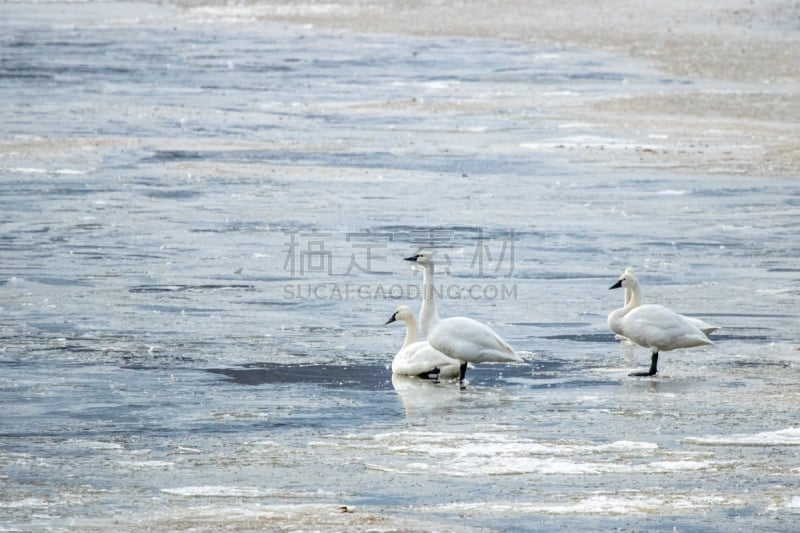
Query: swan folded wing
(420, 358)
(660, 328)
(502, 351)
(469, 340)
(615, 325)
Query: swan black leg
(462, 372)
(653, 367)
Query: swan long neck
(633, 299)
(633, 293)
(412, 334)
(428, 315)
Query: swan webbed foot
(432, 375)
(653, 368)
(644, 374)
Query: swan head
(423, 257)
(626, 280)
(403, 313)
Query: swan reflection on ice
(420, 396)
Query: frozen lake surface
(203, 225)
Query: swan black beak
(617, 285)
(413, 258)
(393, 319)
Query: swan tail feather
(502, 356)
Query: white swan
(461, 338)
(652, 326)
(703, 326)
(419, 358)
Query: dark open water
(203, 226)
